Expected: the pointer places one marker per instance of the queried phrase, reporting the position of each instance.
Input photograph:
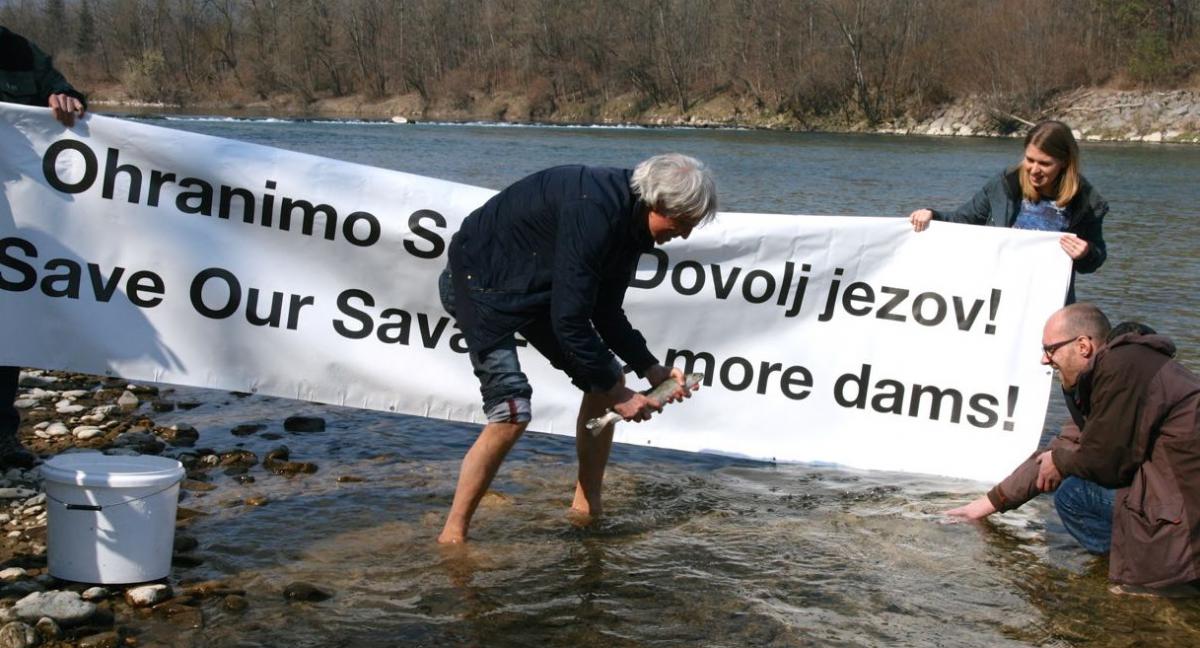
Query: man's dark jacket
(558, 247)
(27, 75)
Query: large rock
(66, 608)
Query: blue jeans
(505, 389)
(1086, 511)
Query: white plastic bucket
(111, 518)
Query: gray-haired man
(551, 257)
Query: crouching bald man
(551, 257)
(1137, 430)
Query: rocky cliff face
(1095, 115)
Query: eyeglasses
(1049, 349)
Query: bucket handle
(96, 507)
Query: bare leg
(479, 467)
(592, 452)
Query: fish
(660, 392)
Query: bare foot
(580, 518)
(452, 536)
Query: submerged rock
(302, 591)
(304, 424)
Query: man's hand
(1048, 477)
(976, 510)
(631, 405)
(659, 373)
(65, 108)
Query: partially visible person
(551, 257)
(27, 76)
(1045, 191)
(1127, 476)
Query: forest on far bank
(864, 60)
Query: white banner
(161, 255)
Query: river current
(694, 549)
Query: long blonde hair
(1055, 139)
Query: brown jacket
(1141, 435)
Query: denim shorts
(504, 387)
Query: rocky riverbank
(1096, 114)
(64, 412)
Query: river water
(694, 550)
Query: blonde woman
(1045, 191)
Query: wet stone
(142, 390)
(272, 436)
(257, 500)
(185, 561)
(94, 594)
(248, 429)
(245, 479)
(12, 574)
(185, 543)
(302, 591)
(180, 435)
(67, 608)
(349, 479)
(162, 406)
(188, 405)
(196, 485)
(48, 629)
(147, 595)
(279, 453)
(18, 635)
(235, 603)
(289, 468)
(101, 640)
(127, 402)
(238, 458)
(304, 424)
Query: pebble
(66, 608)
(24, 403)
(302, 591)
(12, 574)
(235, 603)
(57, 428)
(17, 635)
(48, 629)
(69, 409)
(127, 402)
(147, 595)
(102, 640)
(94, 594)
(247, 429)
(304, 424)
(85, 432)
(257, 500)
(16, 493)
